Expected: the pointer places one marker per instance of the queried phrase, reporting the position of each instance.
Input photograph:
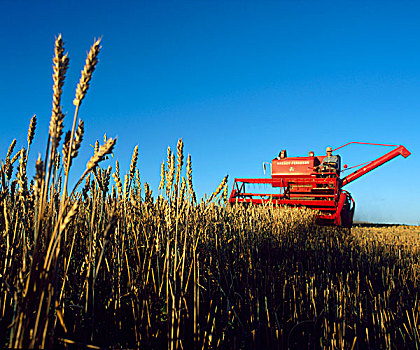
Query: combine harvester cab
(312, 182)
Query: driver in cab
(330, 163)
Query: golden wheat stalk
(66, 150)
(106, 176)
(180, 161)
(133, 163)
(8, 165)
(189, 179)
(103, 151)
(39, 168)
(117, 179)
(219, 188)
(225, 194)
(86, 76)
(67, 155)
(31, 133)
(96, 147)
(60, 66)
(16, 156)
(183, 189)
(162, 176)
(21, 175)
(85, 189)
(138, 183)
(171, 172)
(81, 91)
(57, 161)
(147, 193)
(11, 148)
(78, 139)
(168, 165)
(98, 157)
(126, 187)
(70, 215)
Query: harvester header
(313, 182)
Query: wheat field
(109, 264)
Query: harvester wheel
(347, 212)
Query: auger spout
(400, 150)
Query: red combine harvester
(313, 182)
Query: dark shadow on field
(372, 224)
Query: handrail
(364, 143)
(355, 166)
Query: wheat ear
(167, 174)
(180, 162)
(75, 146)
(134, 162)
(189, 179)
(117, 179)
(225, 193)
(21, 175)
(81, 90)
(103, 151)
(138, 183)
(8, 166)
(162, 176)
(219, 188)
(91, 61)
(11, 148)
(96, 159)
(60, 66)
(31, 133)
(39, 167)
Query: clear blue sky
(238, 80)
